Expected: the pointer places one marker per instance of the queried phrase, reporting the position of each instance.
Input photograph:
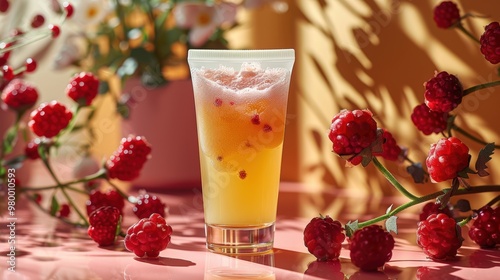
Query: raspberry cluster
(49, 119)
(148, 237)
(446, 14)
(447, 158)
(148, 204)
(429, 121)
(485, 230)
(83, 88)
(439, 236)
(19, 95)
(371, 247)
(127, 161)
(323, 238)
(490, 40)
(352, 131)
(434, 208)
(98, 199)
(104, 225)
(443, 92)
(390, 149)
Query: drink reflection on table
(219, 266)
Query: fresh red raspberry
(31, 149)
(4, 6)
(439, 236)
(37, 21)
(148, 236)
(446, 14)
(446, 159)
(104, 225)
(98, 199)
(30, 65)
(490, 43)
(429, 121)
(371, 247)
(485, 230)
(352, 131)
(37, 198)
(390, 149)
(127, 161)
(148, 204)
(19, 95)
(434, 208)
(49, 119)
(69, 9)
(323, 238)
(83, 88)
(8, 72)
(443, 92)
(64, 211)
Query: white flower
(90, 12)
(203, 19)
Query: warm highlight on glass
(240, 99)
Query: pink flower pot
(166, 117)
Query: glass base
(239, 240)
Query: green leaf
(391, 224)
(103, 87)
(389, 209)
(463, 205)
(54, 206)
(351, 227)
(483, 157)
(417, 173)
(123, 109)
(10, 139)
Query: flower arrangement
(148, 39)
(357, 139)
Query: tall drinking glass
(240, 100)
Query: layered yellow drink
(241, 114)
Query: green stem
(124, 195)
(98, 175)
(418, 200)
(481, 86)
(72, 203)
(48, 213)
(494, 200)
(466, 32)
(392, 179)
(464, 221)
(470, 136)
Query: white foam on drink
(250, 82)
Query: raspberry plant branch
(466, 32)
(43, 156)
(421, 199)
(470, 136)
(387, 174)
(479, 87)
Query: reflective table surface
(48, 249)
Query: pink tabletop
(48, 249)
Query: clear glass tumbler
(240, 100)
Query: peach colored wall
(375, 55)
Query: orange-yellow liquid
(241, 121)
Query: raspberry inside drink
(241, 113)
